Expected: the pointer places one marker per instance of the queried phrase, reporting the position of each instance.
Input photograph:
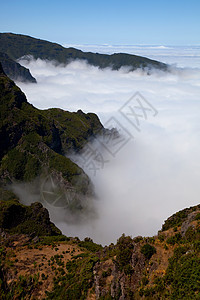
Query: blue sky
(105, 22)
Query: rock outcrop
(14, 70)
(17, 218)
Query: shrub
(197, 216)
(90, 245)
(147, 250)
(175, 239)
(183, 275)
(161, 237)
(124, 253)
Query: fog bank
(156, 173)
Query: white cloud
(154, 175)
(181, 55)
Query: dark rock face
(18, 218)
(138, 265)
(14, 70)
(187, 223)
(1, 70)
(12, 216)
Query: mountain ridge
(18, 45)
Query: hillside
(17, 45)
(166, 266)
(14, 70)
(35, 142)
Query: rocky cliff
(17, 218)
(14, 70)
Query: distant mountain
(14, 70)
(17, 45)
(34, 143)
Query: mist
(156, 172)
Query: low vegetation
(17, 45)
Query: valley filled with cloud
(156, 172)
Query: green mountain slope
(17, 45)
(14, 70)
(34, 143)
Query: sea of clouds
(157, 171)
(181, 56)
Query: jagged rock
(187, 223)
(35, 239)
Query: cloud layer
(181, 55)
(157, 172)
